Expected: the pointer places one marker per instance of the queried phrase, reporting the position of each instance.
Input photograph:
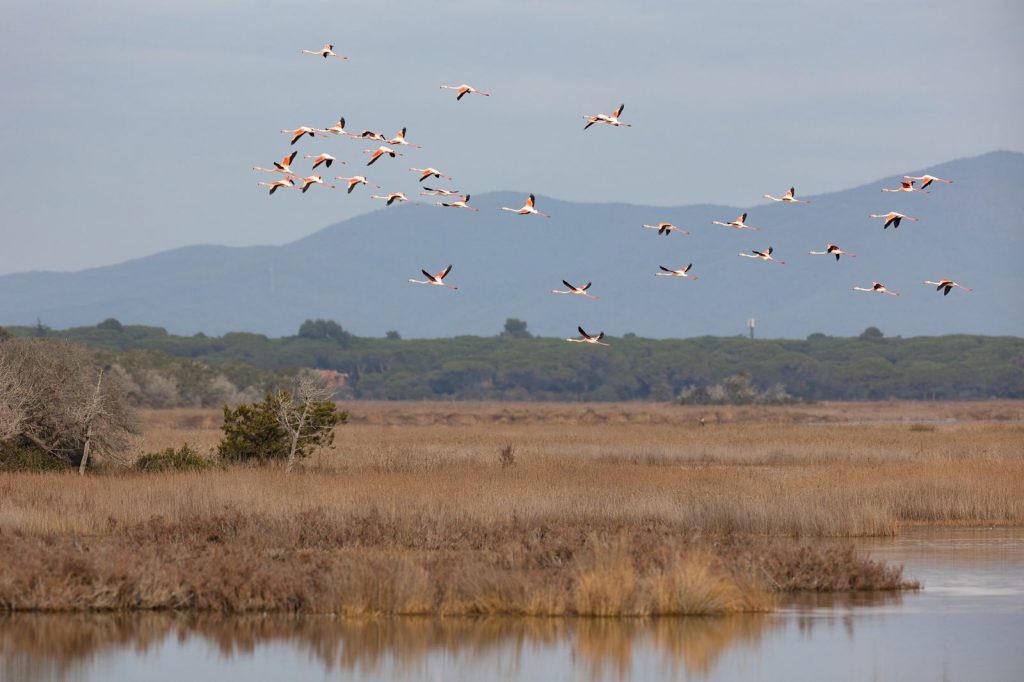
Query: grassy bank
(601, 510)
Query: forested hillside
(515, 366)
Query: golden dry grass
(412, 494)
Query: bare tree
(14, 397)
(299, 414)
(55, 397)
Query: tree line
(514, 365)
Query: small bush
(507, 456)
(185, 458)
(29, 458)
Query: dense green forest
(515, 366)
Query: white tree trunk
(93, 410)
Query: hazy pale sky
(130, 127)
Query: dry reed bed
(608, 510)
(371, 564)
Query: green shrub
(253, 432)
(16, 457)
(184, 458)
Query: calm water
(967, 624)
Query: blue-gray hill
(355, 272)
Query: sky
(131, 127)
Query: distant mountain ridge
(505, 265)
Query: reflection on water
(56, 646)
(965, 624)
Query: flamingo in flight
(464, 90)
(325, 159)
(436, 280)
(588, 338)
(283, 182)
(926, 179)
(948, 285)
(391, 197)
(302, 130)
(326, 51)
(285, 165)
(666, 228)
(787, 198)
(876, 288)
(527, 209)
(458, 203)
(354, 181)
(905, 186)
(430, 172)
(379, 152)
(440, 192)
(399, 139)
(370, 135)
(313, 179)
(578, 291)
(611, 119)
(763, 255)
(892, 218)
(739, 224)
(833, 250)
(337, 129)
(682, 272)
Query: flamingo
(379, 152)
(399, 139)
(437, 280)
(905, 186)
(354, 181)
(325, 159)
(300, 131)
(578, 291)
(284, 182)
(892, 218)
(739, 223)
(587, 338)
(611, 119)
(460, 203)
(948, 285)
(878, 288)
(833, 250)
(285, 166)
(441, 192)
(391, 197)
(464, 90)
(527, 209)
(682, 272)
(666, 228)
(428, 172)
(313, 179)
(326, 51)
(763, 255)
(371, 135)
(337, 129)
(926, 179)
(788, 198)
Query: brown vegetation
(607, 510)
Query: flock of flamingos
(457, 199)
